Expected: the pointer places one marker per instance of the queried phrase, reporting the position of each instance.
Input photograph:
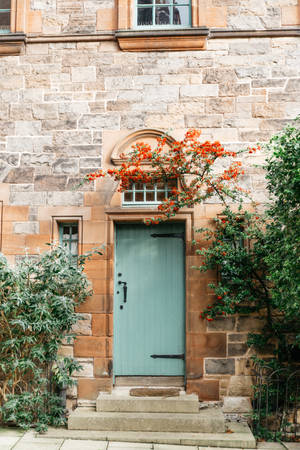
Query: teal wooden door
(152, 320)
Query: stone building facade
(78, 83)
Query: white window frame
(163, 26)
(166, 190)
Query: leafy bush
(258, 257)
(37, 311)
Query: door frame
(132, 215)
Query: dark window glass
(163, 15)
(68, 237)
(145, 16)
(4, 15)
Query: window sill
(163, 40)
(11, 44)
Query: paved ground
(14, 439)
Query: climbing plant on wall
(194, 164)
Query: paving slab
(32, 441)
(173, 447)
(292, 445)
(7, 442)
(270, 446)
(71, 444)
(11, 431)
(129, 445)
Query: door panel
(153, 317)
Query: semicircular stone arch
(148, 136)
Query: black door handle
(124, 290)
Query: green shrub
(37, 311)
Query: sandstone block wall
(63, 107)
(90, 16)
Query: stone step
(207, 421)
(240, 438)
(122, 403)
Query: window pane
(5, 4)
(163, 2)
(128, 196)
(4, 20)
(139, 196)
(150, 197)
(66, 231)
(144, 16)
(181, 15)
(74, 230)
(162, 15)
(139, 186)
(74, 248)
(181, 2)
(161, 196)
(145, 2)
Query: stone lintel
(163, 40)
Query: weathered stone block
(237, 349)
(205, 389)
(66, 166)
(83, 74)
(237, 405)
(88, 388)
(220, 366)
(90, 346)
(90, 162)
(202, 90)
(15, 175)
(234, 89)
(28, 198)
(26, 227)
(102, 367)
(72, 137)
(11, 82)
(25, 128)
(50, 183)
(220, 105)
(267, 110)
(222, 324)
(216, 76)
(83, 326)
(37, 159)
(87, 370)
(206, 345)
(203, 121)
(240, 386)
(12, 159)
(65, 198)
(237, 337)
(96, 121)
(250, 323)
(160, 94)
(293, 85)
(45, 111)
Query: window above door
(141, 194)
